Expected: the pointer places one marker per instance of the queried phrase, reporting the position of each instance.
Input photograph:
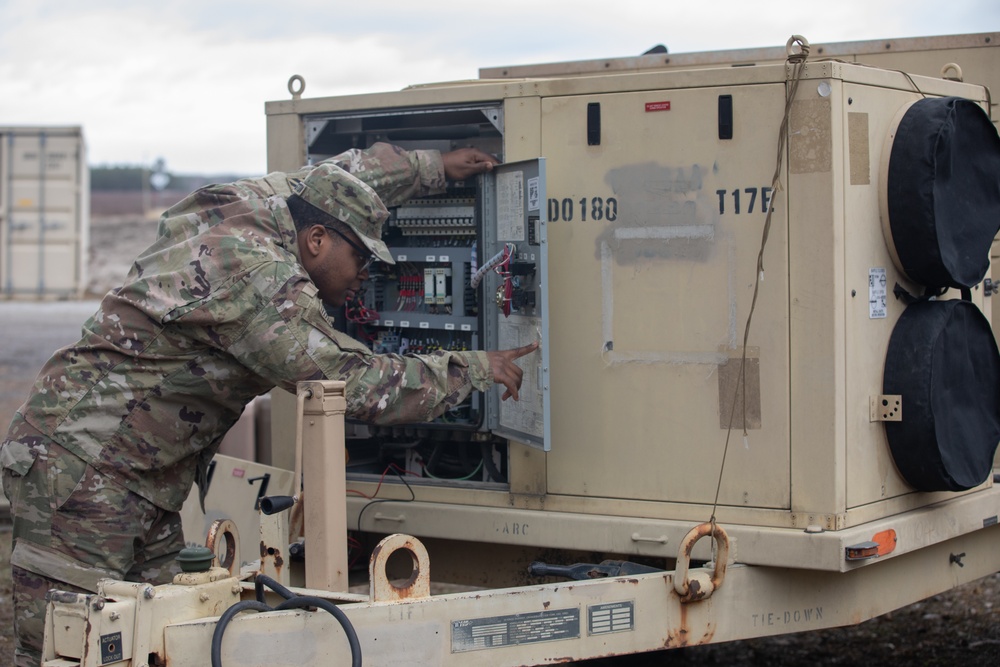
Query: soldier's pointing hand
(506, 372)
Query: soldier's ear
(315, 237)
(311, 242)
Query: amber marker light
(862, 551)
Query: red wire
(388, 468)
(502, 269)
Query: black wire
(262, 580)
(395, 469)
(292, 601)
(227, 616)
(486, 450)
(301, 601)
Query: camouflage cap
(335, 191)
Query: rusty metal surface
(695, 586)
(417, 586)
(223, 534)
(272, 558)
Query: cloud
(187, 80)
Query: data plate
(477, 634)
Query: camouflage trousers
(73, 526)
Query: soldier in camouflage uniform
(226, 304)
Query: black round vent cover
(943, 360)
(943, 192)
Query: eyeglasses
(365, 256)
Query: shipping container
(44, 212)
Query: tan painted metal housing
(646, 327)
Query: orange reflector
(862, 551)
(886, 541)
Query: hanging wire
(797, 61)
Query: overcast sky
(186, 80)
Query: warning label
(111, 648)
(876, 293)
(497, 631)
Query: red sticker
(658, 106)
(239, 472)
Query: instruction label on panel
(525, 414)
(510, 206)
(533, 195)
(876, 293)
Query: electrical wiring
(501, 264)
(354, 551)
(503, 256)
(395, 469)
(356, 311)
(292, 601)
(380, 480)
(453, 479)
(486, 452)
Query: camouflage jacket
(215, 312)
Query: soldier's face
(336, 268)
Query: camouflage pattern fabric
(333, 190)
(73, 527)
(217, 311)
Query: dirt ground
(961, 627)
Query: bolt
(148, 592)
(98, 604)
(203, 597)
(114, 616)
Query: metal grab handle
(700, 588)
(952, 67)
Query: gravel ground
(961, 627)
